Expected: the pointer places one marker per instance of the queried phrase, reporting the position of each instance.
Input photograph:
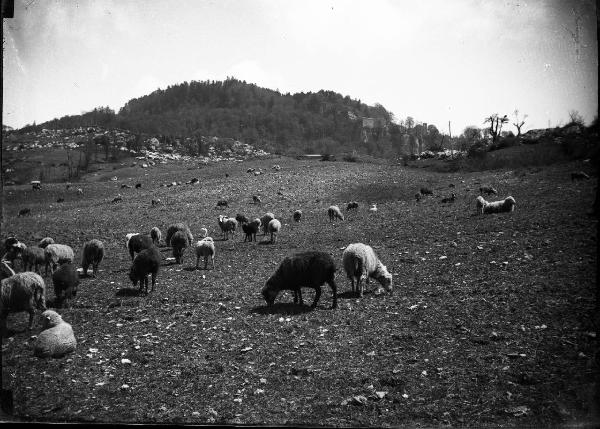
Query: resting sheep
(146, 262)
(173, 228)
(334, 212)
(297, 215)
(264, 221)
(179, 243)
(65, 281)
(273, 227)
(155, 235)
(24, 212)
(57, 254)
(137, 243)
(22, 292)
(579, 175)
(426, 191)
(205, 248)
(503, 206)
(156, 202)
(93, 253)
(56, 339)
(449, 199)
(307, 269)
(360, 262)
(488, 190)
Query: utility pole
(451, 146)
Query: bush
(478, 150)
(505, 142)
(351, 157)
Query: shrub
(351, 157)
(478, 150)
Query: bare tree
(495, 125)
(519, 122)
(575, 117)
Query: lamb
(24, 212)
(146, 262)
(503, 206)
(273, 227)
(56, 339)
(352, 205)
(264, 221)
(579, 175)
(44, 242)
(426, 191)
(22, 292)
(205, 248)
(334, 212)
(93, 253)
(65, 281)
(156, 235)
(307, 269)
(449, 199)
(256, 199)
(360, 263)
(250, 230)
(227, 226)
(488, 190)
(241, 218)
(179, 242)
(137, 243)
(297, 215)
(57, 254)
(173, 228)
(222, 203)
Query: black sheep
(250, 229)
(146, 262)
(65, 280)
(139, 242)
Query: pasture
(490, 322)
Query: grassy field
(491, 321)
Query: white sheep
(264, 221)
(93, 253)
(44, 242)
(360, 263)
(57, 254)
(334, 212)
(57, 337)
(480, 202)
(373, 208)
(79, 191)
(227, 225)
(156, 235)
(22, 292)
(503, 206)
(205, 248)
(273, 227)
(203, 232)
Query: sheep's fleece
(57, 338)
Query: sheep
(480, 202)
(5, 270)
(44, 242)
(227, 225)
(194, 181)
(8, 243)
(65, 281)
(264, 221)
(222, 203)
(352, 205)
(22, 292)
(241, 218)
(418, 196)
(146, 262)
(273, 227)
(173, 228)
(126, 186)
(117, 199)
(179, 242)
(128, 236)
(60, 200)
(502, 206)
(488, 190)
(138, 185)
(155, 235)
(297, 215)
(205, 248)
(426, 191)
(57, 254)
(93, 253)
(373, 208)
(256, 199)
(56, 339)
(360, 262)
(203, 233)
(250, 230)
(449, 199)
(579, 175)
(32, 257)
(306, 269)
(24, 212)
(156, 202)
(13, 252)
(334, 212)
(79, 191)
(137, 243)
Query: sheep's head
(133, 276)
(510, 203)
(50, 318)
(383, 276)
(269, 292)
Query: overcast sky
(434, 60)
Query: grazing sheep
(117, 199)
(241, 218)
(426, 191)
(418, 196)
(173, 228)
(60, 200)
(274, 226)
(56, 339)
(138, 185)
(334, 212)
(179, 242)
(488, 190)
(256, 199)
(146, 262)
(156, 202)
(449, 199)
(250, 230)
(373, 208)
(352, 205)
(44, 242)
(503, 206)
(307, 269)
(5, 270)
(137, 243)
(579, 175)
(24, 212)
(203, 233)
(57, 254)
(264, 221)
(22, 292)
(205, 248)
(65, 281)
(360, 263)
(194, 181)
(222, 203)
(33, 257)
(79, 191)
(297, 215)
(227, 226)
(93, 253)
(155, 235)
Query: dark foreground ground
(490, 323)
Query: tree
(518, 122)
(495, 125)
(409, 122)
(575, 117)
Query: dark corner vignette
(8, 8)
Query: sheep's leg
(317, 296)
(197, 261)
(333, 292)
(31, 314)
(352, 282)
(295, 297)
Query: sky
(437, 61)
